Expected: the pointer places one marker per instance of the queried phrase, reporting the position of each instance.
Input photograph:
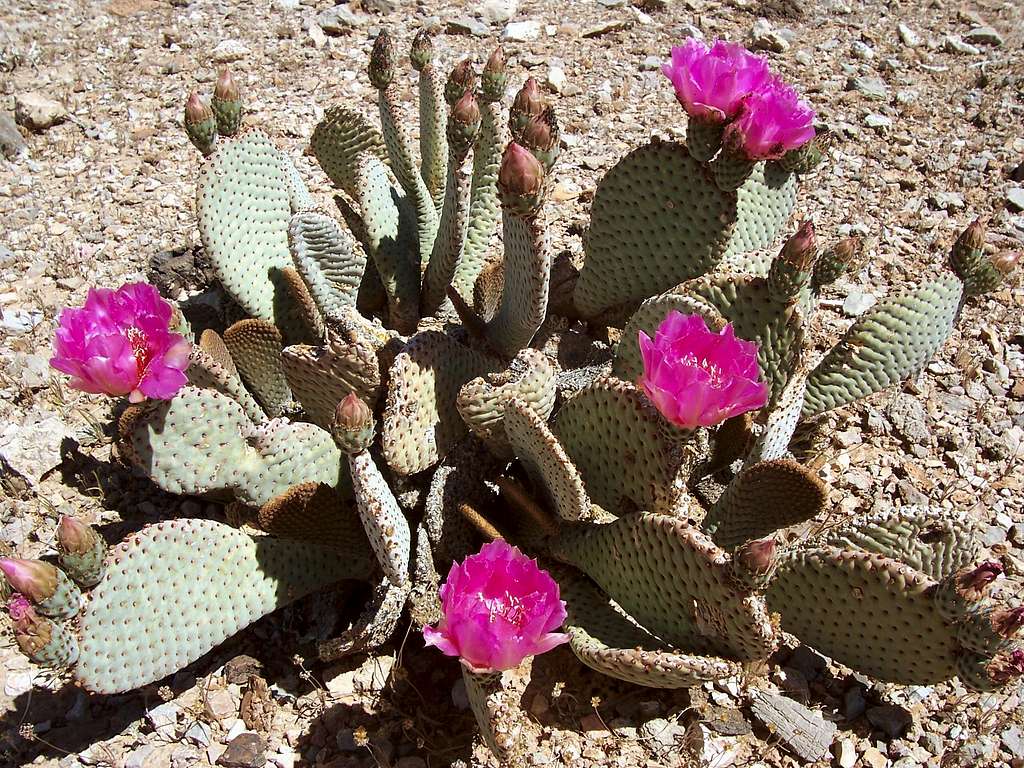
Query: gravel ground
(926, 99)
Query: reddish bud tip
(539, 132)
(977, 579)
(1007, 622)
(847, 250)
(352, 413)
(382, 61)
(461, 80)
(20, 609)
(757, 556)
(800, 250)
(529, 100)
(521, 174)
(196, 109)
(225, 88)
(35, 579)
(466, 110)
(422, 50)
(973, 238)
(496, 62)
(74, 536)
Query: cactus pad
(892, 342)
(205, 372)
(673, 581)
(658, 206)
(526, 283)
(420, 422)
(177, 589)
(243, 203)
(763, 206)
(382, 518)
(628, 455)
(338, 139)
(762, 499)
(328, 259)
(255, 347)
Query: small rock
(946, 201)
(199, 734)
(17, 321)
(857, 302)
(556, 78)
(499, 11)
(12, 144)
(466, 25)
(854, 703)
(872, 758)
(382, 6)
(993, 535)
(861, 50)
(909, 37)
(246, 750)
(1015, 198)
(373, 675)
(338, 20)
(932, 742)
(37, 112)
(140, 756)
(880, 123)
(764, 38)
(651, 64)
(32, 448)
(221, 705)
(984, 36)
(875, 87)
(909, 419)
(808, 662)
(845, 752)
(953, 44)
(891, 720)
(606, 28)
(227, 51)
(688, 30)
(239, 669)
(611, 3)
(663, 736)
(521, 31)
(1016, 534)
(164, 718)
(1013, 740)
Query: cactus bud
(461, 79)
(40, 639)
(528, 103)
(464, 123)
(1006, 261)
(754, 563)
(791, 270)
(1007, 667)
(382, 61)
(81, 550)
(972, 238)
(352, 427)
(836, 261)
(974, 582)
(422, 50)
(541, 136)
(1008, 621)
(200, 123)
(520, 179)
(227, 104)
(800, 250)
(492, 82)
(958, 594)
(34, 579)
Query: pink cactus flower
(711, 83)
(19, 607)
(120, 343)
(499, 608)
(699, 378)
(773, 121)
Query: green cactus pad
(763, 206)
(450, 240)
(673, 581)
(658, 206)
(243, 205)
(484, 207)
(420, 422)
(546, 461)
(202, 442)
(177, 589)
(891, 342)
(527, 279)
(773, 443)
(762, 499)
(205, 372)
(630, 458)
(867, 611)
(391, 234)
(382, 518)
(628, 364)
(499, 716)
(328, 259)
(304, 307)
(530, 377)
(52, 645)
(460, 479)
(607, 640)
(339, 139)
(299, 198)
(433, 137)
(255, 347)
(65, 600)
(320, 377)
(935, 542)
(375, 624)
(318, 513)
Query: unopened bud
(461, 80)
(528, 103)
(1006, 667)
(200, 123)
(541, 136)
(492, 82)
(464, 124)
(225, 89)
(1008, 621)
(520, 178)
(1006, 261)
(352, 427)
(197, 110)
(972, 238)
(466, 110)
(35, 579)
(382, 61)
(800, 250)
(74, 536)
(758, 556)
(974, 581)
(422, 50)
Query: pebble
(764, 38)
(872, 758)
(1013, 740)
(32, 448)
(857, 302)
(954, 44)
(556, 78)
(946, 201)
(466, 25)
(338, 20)
(845, 753)
(932, 742)
(861, 50)
(651, 64)
(875, 87)
(880, 123)
(12, 144)
(228, 51)
(908, 37)
(199, 734)
(1015, 198)
(521, 31)
(17, 321)
(163, 718)
(37, 111)
(499, 11)
(984, 35)
(246, 750)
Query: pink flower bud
(529, 101)
(120, 343)
(499, 608)
(225, 88)
(800, 250)
(466, 110)
(197, 110)
(74, 536)
(382, 61)
(352, 413)
(974, 581)
(698, 378)
(34, 579)
(461, 80)
(972, 238)
(757, 556)
(521, 174)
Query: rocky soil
(97, 187)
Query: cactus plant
(406, 317)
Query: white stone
(227, 51)
(909, 37)
(556, 78)
(846, 753)
(858, 302)
(37, 112)
(499, 11)
(521, 31)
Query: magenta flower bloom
(711, 83)
(697, 378)
(499, 608)
(120, 343)
(773, 121)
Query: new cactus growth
(409, 316)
